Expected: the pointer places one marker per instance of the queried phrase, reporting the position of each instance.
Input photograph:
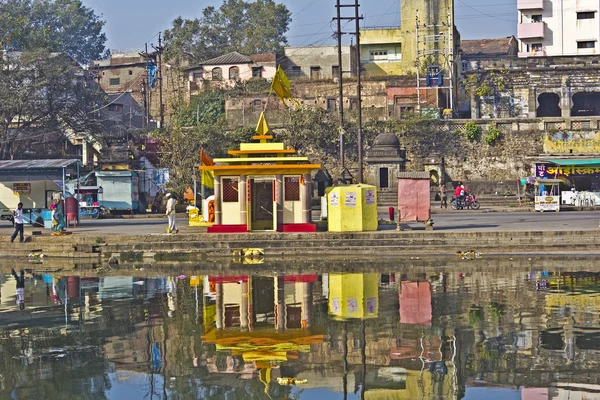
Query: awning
(35, 170)
(575, 162)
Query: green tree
(43, 99)
(248, 27)
(205, 108)
(64, 26)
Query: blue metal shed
(120, 190)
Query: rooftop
(479, 47)
(26, 165)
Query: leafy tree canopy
(248, 27)
(43, 98)
(64, 26)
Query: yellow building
(354, 295)
(263, 187)
(391, 51)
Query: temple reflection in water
(520, 332)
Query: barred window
(230, 190)
(292, 189)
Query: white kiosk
(547, 194)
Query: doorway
(262, 200)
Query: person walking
(171, 202)
(18, 218)
(443, 196)
(20, 280)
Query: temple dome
(386, 139)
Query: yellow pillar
(220, 309)
(279, 203)
(306, 197)
(243, 199)
(218, 200)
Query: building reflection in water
(527, 333)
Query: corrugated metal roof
(25, 165)
(230, 58)
(414, 175)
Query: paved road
(451, 221)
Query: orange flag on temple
(208, 177)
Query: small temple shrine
(262, 187)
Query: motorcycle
(470, 202)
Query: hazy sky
(131, 23)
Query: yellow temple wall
(232, 293)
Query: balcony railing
(530, 4)
(531, 30)
(525, 54)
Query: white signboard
(334, 199)
(370, 197)
(350, 200)
(352, 305)
(335, 305)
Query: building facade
(558, 27)
(317, 62)
(226, 70)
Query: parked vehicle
(7, 215)
(470, 202)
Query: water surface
(476, 330)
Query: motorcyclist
(460, 195)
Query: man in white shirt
(20, 280)
(171, 202)
(18, 216)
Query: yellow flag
(281, 86)
(208, 177)
(262, 128)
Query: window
(217, 74)
(586, 15)
(332, 104)
(536, 18)
(257, 105)
(230, 190)
(234, 73)
(197, 76)
(115, 107)
(257, 72)
(536, 47)
(353, 103)
(378, 55)
(408, 110)
(130, 72)
(464, 65)
(114, 81)
(589, 44)
(292, 189)
(315, 73)
(335, 71)
(296, 71)
(384, 181)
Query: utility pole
(339, 34)
(433, 45)
(359, 94)
(159, 49)
(340, 85)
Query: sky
(131, 23)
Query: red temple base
(239, 228)
(299, 227)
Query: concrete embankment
(198, 246)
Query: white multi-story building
(558, 27)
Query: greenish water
(456, 330)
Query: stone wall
(508, 159)
(540, 87)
